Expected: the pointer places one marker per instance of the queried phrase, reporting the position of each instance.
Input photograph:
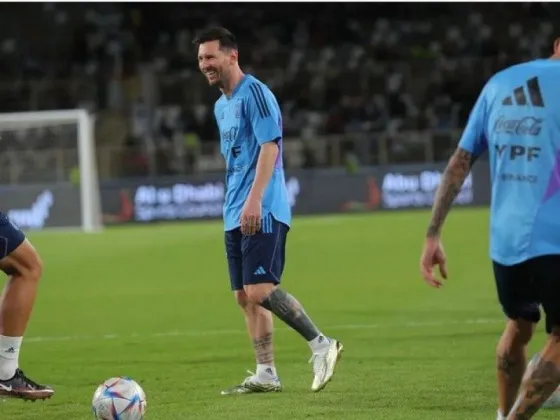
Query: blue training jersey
(517, 120)
(247, 119)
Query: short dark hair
(222, 35)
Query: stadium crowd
(386, 68)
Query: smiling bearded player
(257, 213)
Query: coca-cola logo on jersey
(401, 190)
(523, 126)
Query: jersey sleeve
(474, 139)
(264, 114)
(216, 112)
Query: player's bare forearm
(539, 384)
(453, 178)
(265, 166)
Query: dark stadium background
(374, 97)
(355, 72)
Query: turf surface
(153, 303)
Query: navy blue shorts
(523, 288)
(10, 236)
(259, 258)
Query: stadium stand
(383, 84)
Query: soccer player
(517, 120)
(20, 261)
(257, 213)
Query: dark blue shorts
(526, 287)
(10, 236)
(259, 258)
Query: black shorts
(259, 258)
(10, 236)
(523, 288)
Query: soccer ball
(554, 400)
(119, 399)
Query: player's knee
(35, 271)
(257, 293)
(32, 268)
(242, 299)
(32, 263)
(24, 262)
(517, 333)
(249, 308)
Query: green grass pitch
(153, 303)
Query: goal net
(48, 170)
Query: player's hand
(433, 255)
(251, 216)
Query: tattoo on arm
(539, 384)
(264, 351)
(453, 177)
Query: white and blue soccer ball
(554, 400)
(119, 398)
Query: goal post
(90, 206)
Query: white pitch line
(203, 333)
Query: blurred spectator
(337, 69)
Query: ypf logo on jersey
(518, 151)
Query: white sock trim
(319, 343)
(266, 371)
(9, 346)
(9, 356)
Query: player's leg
(259, 326)
(263, 264)
(511, 359)
(543, 376)
(24, 268)
(520, 304)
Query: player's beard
(215, 79)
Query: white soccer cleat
(324, 364)
(254, 384)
